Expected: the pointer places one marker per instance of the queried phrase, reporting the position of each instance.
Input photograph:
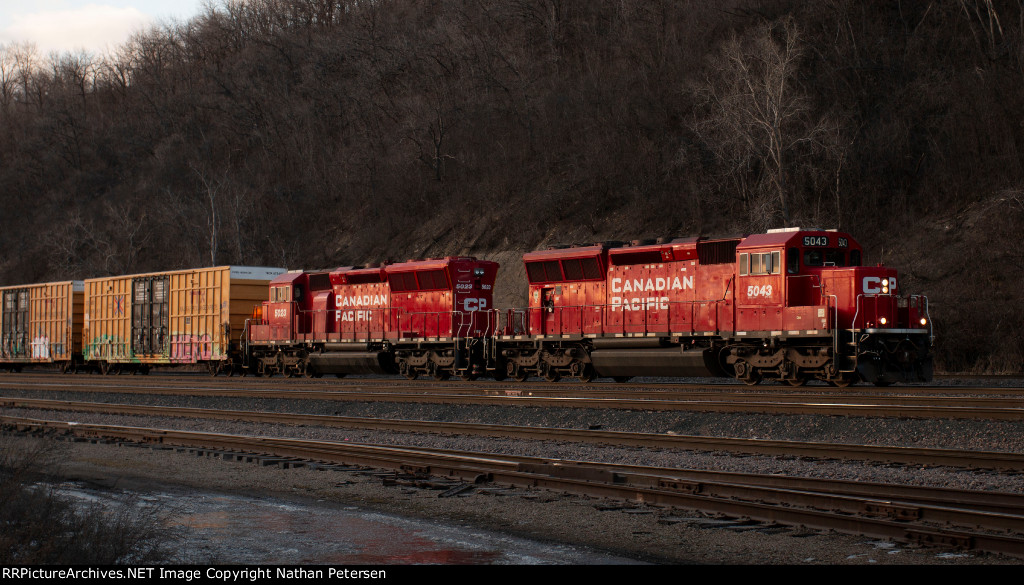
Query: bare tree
(211, 192)
(757, 120)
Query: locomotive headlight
(883, 320)
(478, 271)
(924, 321)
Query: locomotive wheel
(796, 381)
(842, 382)
(552, 376)
(587, 374)
(746, 374)
(518, 373)
(515, 371)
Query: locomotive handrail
(927, 315)
(603, 311)
(860, 297)
(512, 318)
(832, 307)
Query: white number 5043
(759, 291)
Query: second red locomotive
(419, 317)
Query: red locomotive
(427, 317)
(792, 305)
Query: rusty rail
(909, 519)
(972, 459)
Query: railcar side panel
(175, 317)
(41, 323)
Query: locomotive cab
(879, 335)
(279, 311)
(806, 307)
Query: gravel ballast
(646, 533)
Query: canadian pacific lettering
(638, 285)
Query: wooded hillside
(320, 133)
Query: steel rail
(906, 521)
(727, 401)
(531, 386)
(758, 403)
(972, 459)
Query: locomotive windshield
(831, 257)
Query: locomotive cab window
(835, 258)
(793, 260)
(813, 258)
(280, 294)
(760, 264)
(829, 257)
(854, 257)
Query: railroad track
(531, 387)
(963, 519)
(729, 400)
(972, 459)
